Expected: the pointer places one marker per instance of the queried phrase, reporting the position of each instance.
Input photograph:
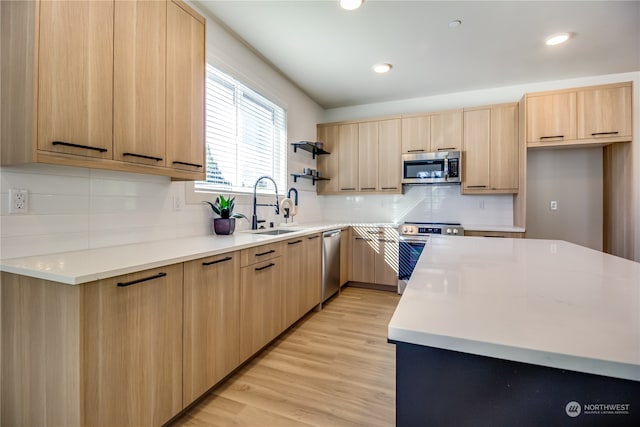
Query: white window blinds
(245, 137)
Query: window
(245, 137)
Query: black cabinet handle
(195, 165)
(133, 282)
(69, 144)
(368, 188)
(294, 243)
(265, 267)
(446, 149)
(348, 188)
(142, 156)
(415, 151)
(313, 237)
(362, 238)
(217, 261)
(604, 133)
(266, 253)
(551, 137)
(389, 188)
(476, 186)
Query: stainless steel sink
(275, 232)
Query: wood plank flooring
(334, 368)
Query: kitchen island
(518, 332)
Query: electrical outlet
(177, 203)
(553, 205)
(18, 201)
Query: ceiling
(329, 52)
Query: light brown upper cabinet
(491, 150)
(416, 134)
(365, 156)
(440, 131)
(185, 88)
(348, 158)
(139, 82)
(583, 116)
(86, 83)
(368, 156)
(605, 112)
(74, 76)
(446, 131)
(328, 165)
(390, 156)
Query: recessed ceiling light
(558, 38)
(455, 23)
(351, 4)
(382, 68)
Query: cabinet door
(75, 78)
(477, 134)
(504, 162)
(386, 261)
(389, 155)
(294, 278)
(261, 317)
(604, 112)
(328, 164)
(345, 255)
(348, 158)
(551, 118)
(211, 342)
(368, 156)
(185, 88)
(363, 255)
(446, 131)
(416, 134)
(139, 82)
(132, 348)
(312, 290)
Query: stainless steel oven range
(412, 239)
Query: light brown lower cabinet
(211, 340)
(345, 255)
(105, 353)
(261, 318)
(134, 350)
(374, 255)
(302, 276)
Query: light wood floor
(333, 368)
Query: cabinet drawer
(260, 253)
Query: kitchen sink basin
(275, 232)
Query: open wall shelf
(308, 146)
(311, 177)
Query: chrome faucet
(254, 218)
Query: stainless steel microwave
(440, 167)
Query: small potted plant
(226, 224)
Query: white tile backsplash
(76, 209)
(430, 203)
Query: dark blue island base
(436, 387)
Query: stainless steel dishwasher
(330, 263)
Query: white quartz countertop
(544, 302)
(84, 266)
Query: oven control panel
(417, 229)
